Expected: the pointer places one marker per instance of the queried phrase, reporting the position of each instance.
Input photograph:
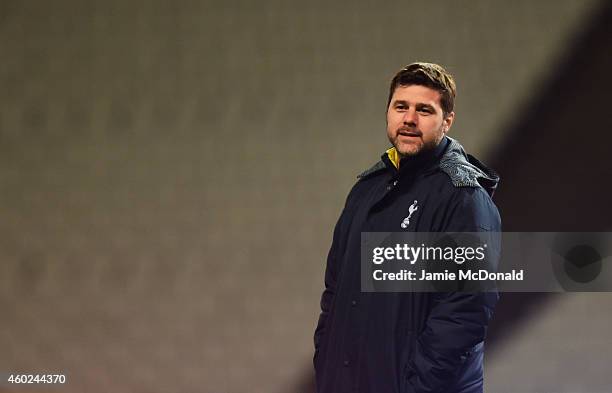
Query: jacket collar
(463, 169)
(423, 162)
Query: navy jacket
(406, 342)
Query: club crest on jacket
(411, 210)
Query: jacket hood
(466, 170)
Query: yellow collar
(394, 157)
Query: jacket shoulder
(365, 181)
(472, 209)
(379, 166)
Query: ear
(447, 123)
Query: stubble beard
(414, 149)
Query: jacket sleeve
(458, 320)
(331, 276)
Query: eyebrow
(419, 105)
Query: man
(408, 342)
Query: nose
(410, 117)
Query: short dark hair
(430, 75)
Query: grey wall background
(170, 173)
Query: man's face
(415, 120)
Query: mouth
(414, 134)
